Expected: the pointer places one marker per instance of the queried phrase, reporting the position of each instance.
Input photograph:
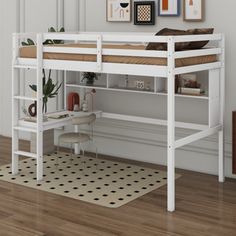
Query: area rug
(102, 182)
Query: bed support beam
(171, 126)
(99, 53)
(221, 165)
(39, 137)
(15, 110)
(197, 136)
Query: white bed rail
(132, 37)
(138, 39)
(106, 37)
(99, 39)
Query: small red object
(73, 99)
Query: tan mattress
(30, 52)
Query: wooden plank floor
(204, 208)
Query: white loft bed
(168, 71)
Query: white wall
(8, 23)
(135, 141)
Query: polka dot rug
(102, 182)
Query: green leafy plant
(30, 42)
(90, 77)
(52, 30)
(50, 90)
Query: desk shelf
(133, 90)
(116, 83)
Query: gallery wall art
(144, 13)
(169, 7)
(193, 10)
(118, 10)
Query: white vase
(85, 106)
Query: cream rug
(102, 182)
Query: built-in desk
(54, 123)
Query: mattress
(30, 52)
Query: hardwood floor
(204, 208)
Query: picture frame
(193, 10)
(118, 10)
(144, 13)
(169, 7)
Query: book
(58, 116)
(34, 119)
(30, 119)
(191, 91)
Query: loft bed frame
(216, 74)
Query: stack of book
(190, 91)
(189, 85)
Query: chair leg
(57, 160)
(96, 157)
(71, 158)
(83, 151)
(96, 151)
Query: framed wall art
(169, 7)
(144, 13)
(193, 10)
(118, 10)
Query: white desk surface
(60, 122)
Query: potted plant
(90, 77)
(50, 90)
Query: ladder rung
(26, 129)
(25, 67)
(26, 154)
(25, 98)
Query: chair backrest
(84, 120)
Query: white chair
(79, 138)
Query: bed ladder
(16, 99)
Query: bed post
(39, 138)
(222, 102)
(15, 110)
(171, 126)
